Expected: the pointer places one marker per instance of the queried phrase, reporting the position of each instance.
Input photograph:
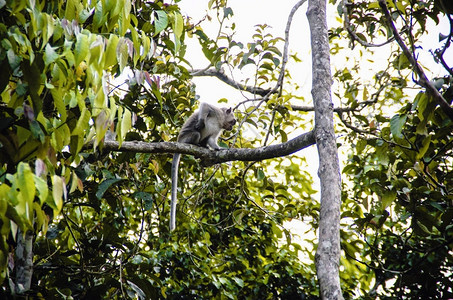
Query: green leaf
(122, 53)
(388, 197)
(422, 100)
(50, 55)
(178, 25)
(57, 96)
(239, 281)
(227, 12)
(425, 146)
(103, 187)
(238, 215)
(102, 124)
(70, 11)
(36, 131)
(147, 198)
(360, 146)
(396, 125)
(260, 174)
(283, 136)
(161, 21)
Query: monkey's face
(230, 120)
(229, 124)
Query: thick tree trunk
(24, 261)
(328, 253)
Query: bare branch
(423, 80)
(220, 74)
(210, 157)
(338, 110)
(285, 48)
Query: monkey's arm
(203, 113)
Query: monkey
(202, 128)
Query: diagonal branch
(423, 80)
(220, 74)
(210, 157)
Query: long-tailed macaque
(202, 128)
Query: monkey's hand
(220, 148)
(199, 125)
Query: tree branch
(220, 74)
(423, 80)
(354, 35)
(338, 110)
(210, 157)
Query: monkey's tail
(174, 189)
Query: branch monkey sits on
(202, 128)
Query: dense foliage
(399, 169)
(75, 73)
(101, 219)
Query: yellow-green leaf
(102, 124)
(126, 123)
(82, 123)
(82, 48)
(178, 26)
(27, 187)
(122, 53)
(57, 96)
(57, 193)
(119, 125)
(110, 52)
(70, 11)
(146, 43)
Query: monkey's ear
(229, 110)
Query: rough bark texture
(24, 261)
(328, 253)
(209, 157)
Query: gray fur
(202, 128)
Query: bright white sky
(251, 12)
(247, 14)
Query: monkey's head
(230, 120)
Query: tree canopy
(93, 94)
